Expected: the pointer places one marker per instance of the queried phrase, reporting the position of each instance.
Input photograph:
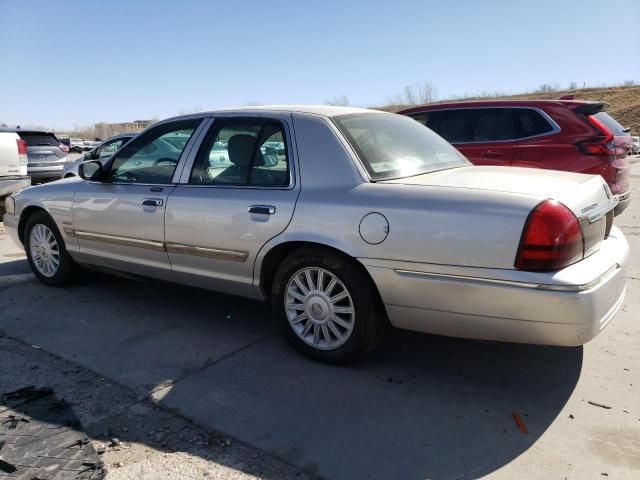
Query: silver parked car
(102, 153)
(361, 219)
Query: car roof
(324, 110)
(495, 103)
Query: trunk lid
(587, 196)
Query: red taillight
(602, 144)
(551, 238)
(22, 146)
(22, 152)
(63, 147)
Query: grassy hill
(624, 102)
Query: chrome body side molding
(216, 253)
(118, 240)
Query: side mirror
(90, 170)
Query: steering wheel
(130, 176)
(165, 159)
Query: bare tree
(416, 94)
(573, 86)
(410, 96)
(548, 88)
(426, 92)
(341, 101)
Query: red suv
(568, 135)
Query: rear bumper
(49, 171)
(624, 200)
(9, 185)
(569, 307)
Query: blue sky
(72, 63)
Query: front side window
(153, 156)
(394, 146)
(242, 152)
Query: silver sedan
(360, 220)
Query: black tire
(370, 318)
(66, 267)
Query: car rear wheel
(46, 251)
(326, 306)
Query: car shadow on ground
(421, 406)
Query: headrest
(240, 147)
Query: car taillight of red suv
(567, 135)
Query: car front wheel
(46, 251)
(326, 306)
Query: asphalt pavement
(420, 407)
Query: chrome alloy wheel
(45, 251)
(319, 308)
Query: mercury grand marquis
(360, 220)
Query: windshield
(394, 146)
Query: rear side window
(242, 152)
(428, 119)
(610, 123)
(39, 139)
(531, 122)
(469, 125)
(457, 126)
(494, 124)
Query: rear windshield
(39, 139)
(395, 146)
(610, 123)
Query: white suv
(13, 165)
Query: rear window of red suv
(610, 123)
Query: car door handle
(152, 202)
(262, 209)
